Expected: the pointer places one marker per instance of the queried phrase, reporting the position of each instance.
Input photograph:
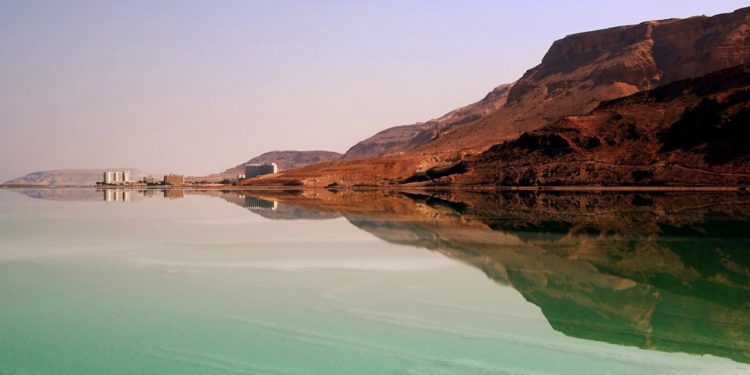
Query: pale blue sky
(198, 86)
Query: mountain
(407, 137)
(693, 131)
(284, 159)
(582, 70)
(578, 73)
(70, 177)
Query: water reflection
(254, 203)
(667, 272)
(116, 195)
(171, 193)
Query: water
(321, 282)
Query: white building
(116, 177)
(254, 170)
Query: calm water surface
(372, 283)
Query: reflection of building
(116, 177)
(260, 204)
(174, 193)
(116, 195)
(174, 179)
(253, 170)
(150, 180)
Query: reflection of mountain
(666, 272)
(265, 206)
(83, 194)
(118, 195)
(77, 195)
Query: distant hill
(406, 137)
(70, 177)
(288, 159)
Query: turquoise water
(222, 283)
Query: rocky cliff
(689, 132)
(578, 73)
(399, 139)
(582, 70)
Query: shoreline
(484, 188)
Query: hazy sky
(197, 86)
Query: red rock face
(582, 70)
(690, 132)
(408, 137)
(578, 73)
(643, 55)
(700, 45)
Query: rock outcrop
(690, 132)
(579, 73)
(403, 138)
(582, 70)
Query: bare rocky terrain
(689, 132)
(577, 75)
(399, 139)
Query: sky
(195, 87)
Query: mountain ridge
(691, 131)
(577, 74)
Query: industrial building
(116, 177)
(254, 170)
(174, 179)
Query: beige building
(174, 179)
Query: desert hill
(582, 70)
(70, 177)
(577, 74)
(408, 137)
(289, 159)
(693, 131)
